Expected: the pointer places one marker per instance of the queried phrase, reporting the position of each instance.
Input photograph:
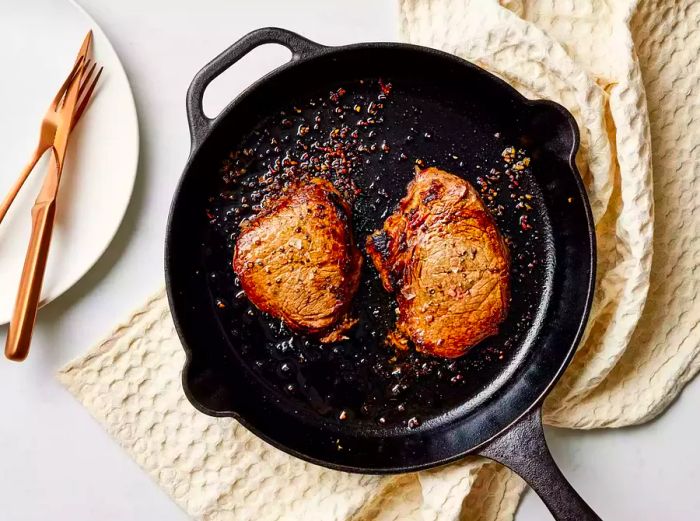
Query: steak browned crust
(442, 256)
(297, 260)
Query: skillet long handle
(524, 450)
(19, 335)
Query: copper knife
(43, 214)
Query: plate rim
(61, 287)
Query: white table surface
(56, 462)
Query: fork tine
(85, 83)
(85, 78)
(87, 44)
(79, 74)
(61, 92)
(82, 54)
(82, 104)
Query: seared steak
(442, 256)
(297, 260)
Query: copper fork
(43, 214)
(51, 120)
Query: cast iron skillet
(498, 415)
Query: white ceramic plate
(38, 44)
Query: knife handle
(19, 335)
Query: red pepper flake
(386, 87)
(523, 222)
(335, 96)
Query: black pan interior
(356, 404)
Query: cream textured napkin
(605, 61)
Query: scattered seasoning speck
(508, 154)
(386, 87)
(523, 223)
(413, 423)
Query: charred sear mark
(380, 242)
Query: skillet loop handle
(524, 450)
(201, 124)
